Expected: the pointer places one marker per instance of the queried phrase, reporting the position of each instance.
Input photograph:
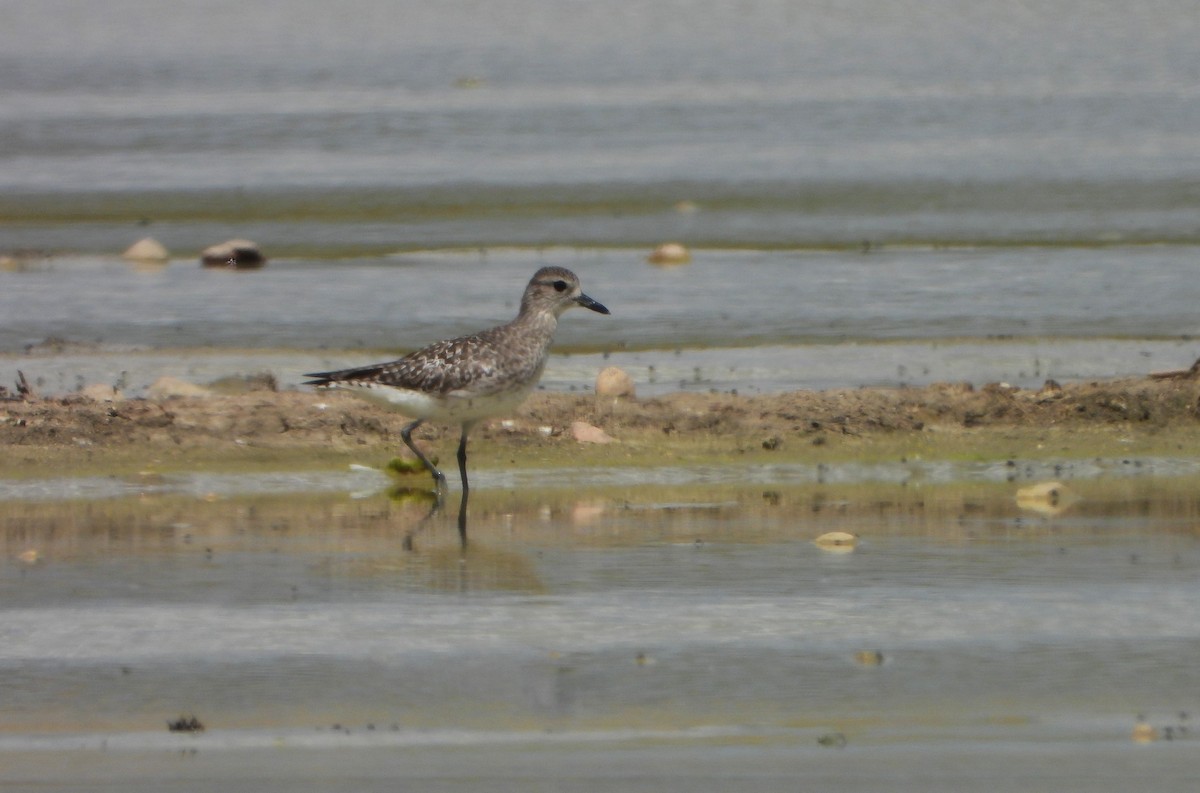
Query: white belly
(455, 407)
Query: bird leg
(466, 487)
(439, 479)
(462, 456)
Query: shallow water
(662, 622)
(747, 320)
(386, 125)
(1005, 194)
(722, 299)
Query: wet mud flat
(292, 429)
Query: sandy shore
(293, 429)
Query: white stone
(146, 250)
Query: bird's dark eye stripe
(560, 286)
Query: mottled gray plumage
(471, 377)
(482, 363)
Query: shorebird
(467, 379)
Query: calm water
(398, 125)
(750, 321)
(876, 193)
(1013, 173)
(662, 622)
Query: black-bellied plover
(470, 378)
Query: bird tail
(330, 379)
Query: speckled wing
(470, 365)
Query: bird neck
(539, 324)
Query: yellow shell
(836, 541)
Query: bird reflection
(437, 501)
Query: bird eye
(560, 286)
